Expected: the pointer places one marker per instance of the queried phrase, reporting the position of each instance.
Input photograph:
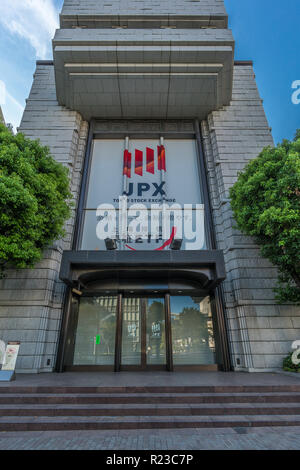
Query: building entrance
(126, 332)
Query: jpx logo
(150, 161)
(144, 187)
(152, 165)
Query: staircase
(94, 408)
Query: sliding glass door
(193, 340)
(120, 332)
(96, 329)
(143, 332)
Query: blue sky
(266, 31)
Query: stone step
(4, 396)
(145, 422)
(204, 410)
(146, 405)
(6, 388)
(150, 398)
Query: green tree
(266, 205)
(34, 199)
(194, 325)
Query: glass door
(94, 343)
(131, 331)
(143, 332)
(155, 331)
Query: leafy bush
(266, 205)
(34, 199)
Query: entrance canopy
(143, 271)
(163, 73)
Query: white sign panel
(11, 354)
(2, 351)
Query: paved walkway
(196, 439)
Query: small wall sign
(11, 354)
(2, 351)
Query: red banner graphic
(150, 163)
(127, 164)
(139, 162)
(150, 160)
(161, 158)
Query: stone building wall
(31, 299)
(94, 8)
(260, 331)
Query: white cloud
(33, 20)
(12, 109)
(15, 102)
(12, 112)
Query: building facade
(146, 106)
(1, 117)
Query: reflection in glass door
(96, 328)
(155, 331)
(192, 330)
(131, 331)
(143, 332)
